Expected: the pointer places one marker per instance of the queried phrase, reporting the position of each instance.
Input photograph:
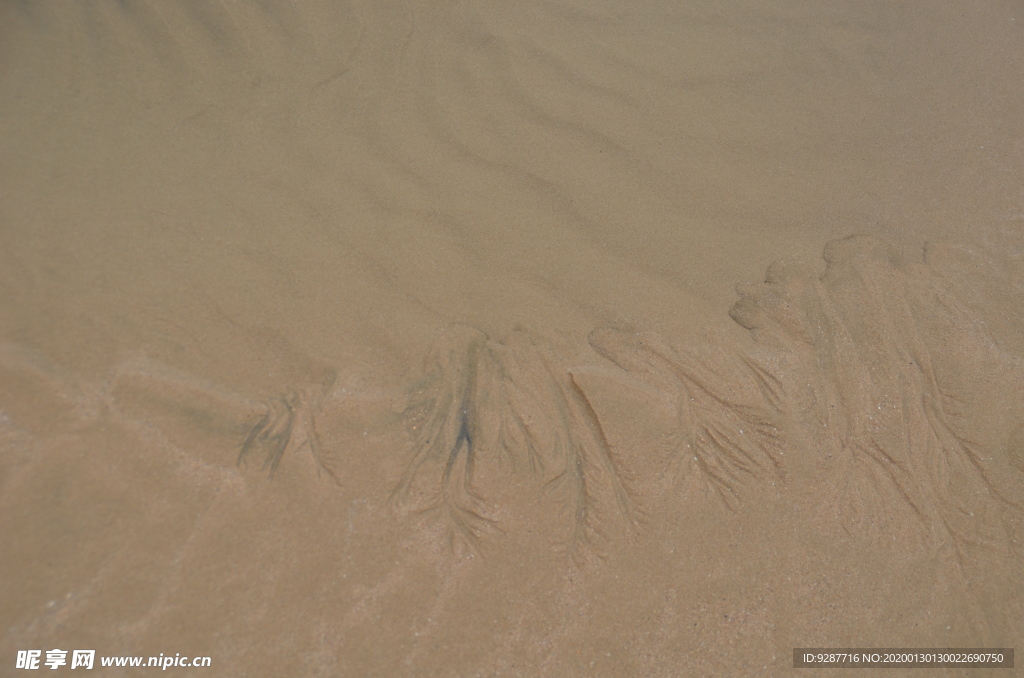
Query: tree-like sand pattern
(877, 381)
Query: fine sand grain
(539, 339)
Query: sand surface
(545, 338)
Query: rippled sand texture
(363, 339)
(875, 407)
(871, 374)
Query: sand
(542, 339)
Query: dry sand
(380, 338)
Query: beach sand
(539, 339)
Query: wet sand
(550, 339)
